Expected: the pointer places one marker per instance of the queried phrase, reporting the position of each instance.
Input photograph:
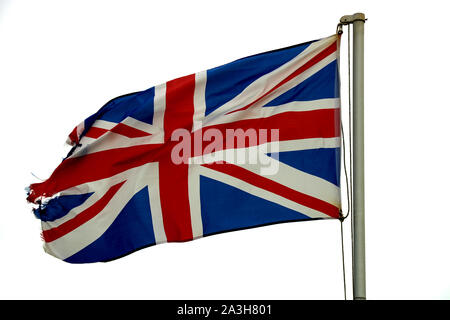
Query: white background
(60, 61)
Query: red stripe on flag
(128, 131)
(173, 179)
(95, 166)
(275, 187)
(73, 136)
(83, 217)
(179, 105)
(323, 123)
(95, 132)
(174, 195)
(317, 58)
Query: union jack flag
(119, 190)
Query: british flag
(119, 190)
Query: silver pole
(359, 242)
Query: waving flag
(250, 143)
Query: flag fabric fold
(250, 143)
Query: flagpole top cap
(352, 18)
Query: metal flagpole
(359, 252)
